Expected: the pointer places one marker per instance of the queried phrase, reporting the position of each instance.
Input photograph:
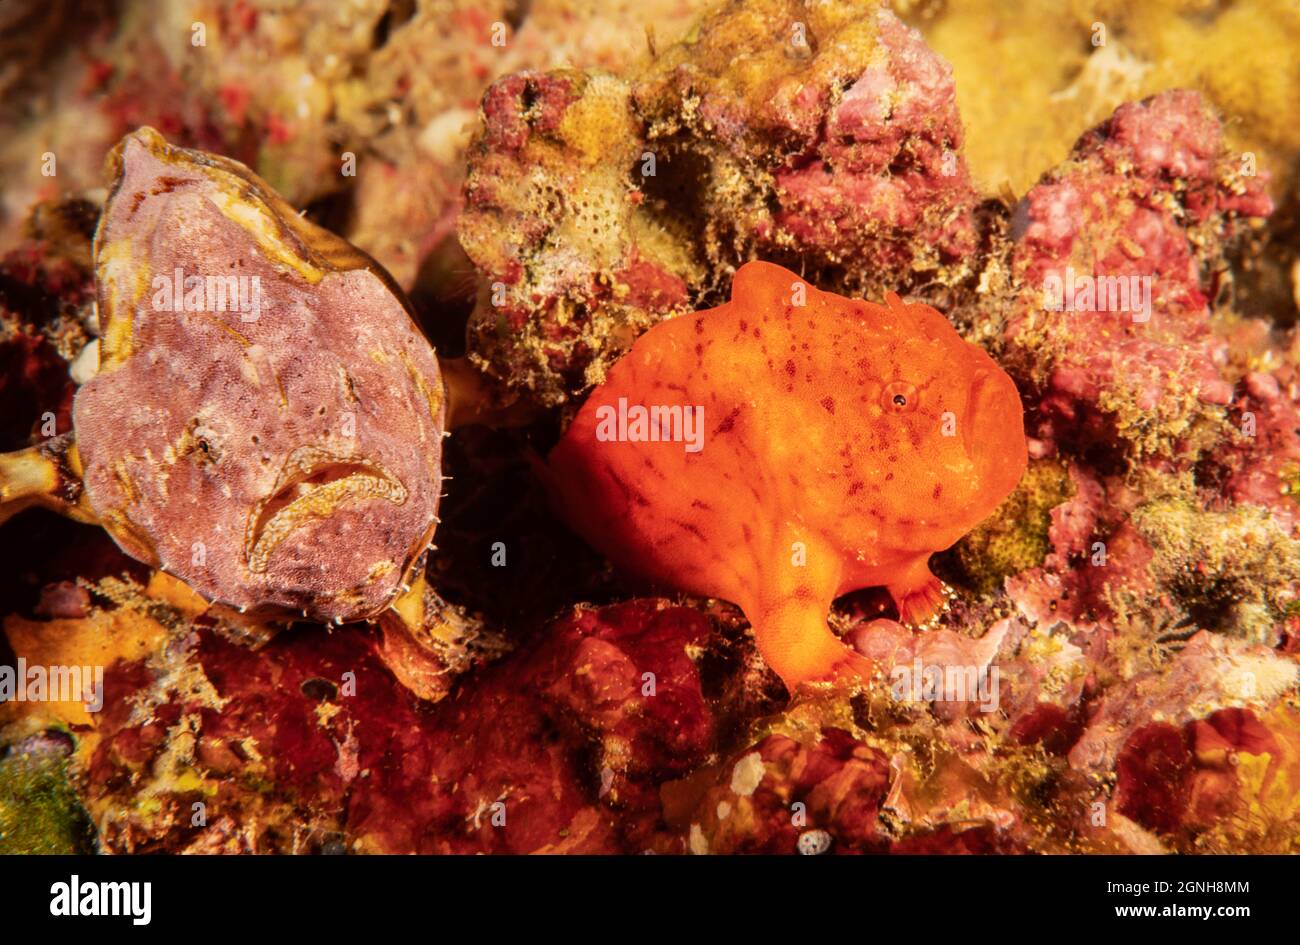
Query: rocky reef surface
(1124, 631)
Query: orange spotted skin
(843, 443)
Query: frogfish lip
(313, 484)
(995, 433)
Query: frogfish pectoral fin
(918, 594)
(796, 641)
(790, 625)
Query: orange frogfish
(787, 447)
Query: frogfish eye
(898, 397)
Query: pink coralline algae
(596, 206)
(1262, 464)
(574, 266)
(1119, 256)
(847, 151)
(1113, 664)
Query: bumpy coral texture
(291, 748)
(231, 436)
(1136, 596)
(576, 264)
(1146, 195)
(829, 130)
(824, 136)
(842, 443)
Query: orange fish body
(787, 447)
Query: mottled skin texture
(287, 462)
(827, 463)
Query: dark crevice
(399, 13)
